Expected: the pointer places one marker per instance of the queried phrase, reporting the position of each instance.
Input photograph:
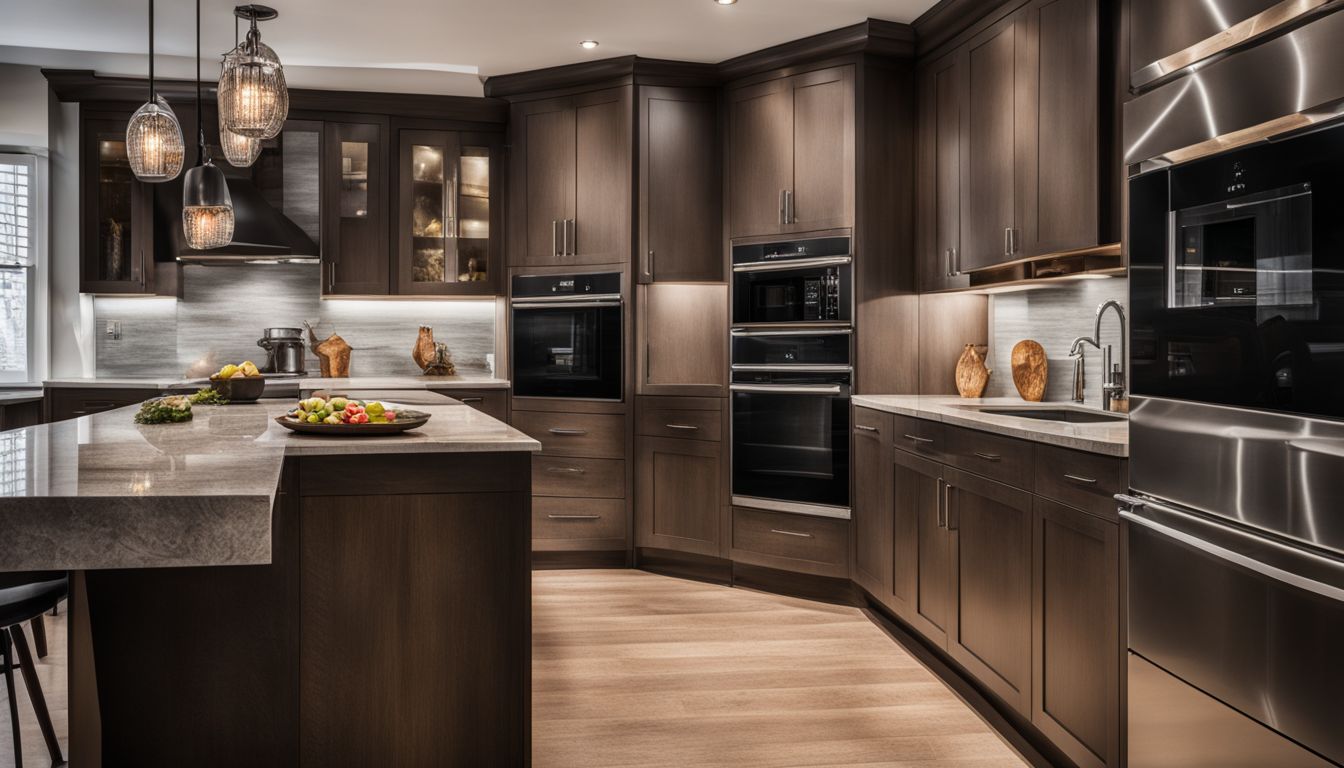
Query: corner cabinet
(791, 157)
(354, 210)
(572, 180)
(680, 186)
(446, 214)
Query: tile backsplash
(1054, 316)
(224, 309)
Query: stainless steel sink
(1068, 415)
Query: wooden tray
(406, 420)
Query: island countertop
(103, 492)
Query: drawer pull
(791, 533)
(919, 439)
(473, 399)
(574, 517)
(1080, 479)
(691, 427)
(568, 432)
(866, 428)
(566, 470)
(989, 456)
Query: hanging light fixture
(154, 143)
(253, 98)
(207, 209)
(241, 151)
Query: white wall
(23, 107)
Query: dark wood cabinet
(682, 339)
(1077, 651)
(447, 213)
(354, 210)
(871, 521)
(817, 546)
(920, 589)
(990, 628)
(791, 161)
(678, 494)
(680, 186)
(61, 403)
(942, 94)
(572, 180)
(493, 402)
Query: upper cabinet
(791, 154)
(445, 216)
(680, 186)
(354, 210)
(572, 180)
(942, 100)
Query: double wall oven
(791, 352)
(567, 332)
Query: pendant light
(154, 143)
(207, 209)
(253, 98)
(241, 151)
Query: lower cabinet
(680, 474)
(871, 557)
(818, 546)
(920, 590)
(63, 403)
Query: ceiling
(450, 42)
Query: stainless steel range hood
(261, 233)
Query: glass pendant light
(241, 151)
(154, 143)
(253, 97)
(207, 209)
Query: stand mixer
(284, 351)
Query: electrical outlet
(112, 328)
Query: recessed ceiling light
(588, 44)
(725, 2)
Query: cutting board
(1030, 370)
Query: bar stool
(19, 603)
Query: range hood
(261, 232)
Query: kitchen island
(243, 595)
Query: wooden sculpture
(1030, 370)
(333, 353)
(972, 375)
(432, 356)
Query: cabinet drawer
(559, 523)
(680, 422)
(1086, 481)
(492, 402)
(565, 476)
(994, 456)
(926, 438)
(592, 435)
(799, 543)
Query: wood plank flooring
(634, 669)
(51, 671)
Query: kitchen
(887, 382)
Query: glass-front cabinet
(117, 238)
(446, 215)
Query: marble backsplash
(1053, 316)
(224, 309)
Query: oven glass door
(1237, 278)
(803, 295)
(568, 351)
(790, 444)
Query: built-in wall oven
(567, 336)
(1234, 524)
(791, 352)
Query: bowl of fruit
(344, 416)
(239, 383)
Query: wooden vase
(972, 375)
(1030, 370)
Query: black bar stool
(20, 602)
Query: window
(18, 261)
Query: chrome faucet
(1113, 397)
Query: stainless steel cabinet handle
(942, 504)
(785, 389)
(788, 206)
(989, 456)
(572, 237)
(472, 399)
(574, 517)
(1080, 479)
(956, 262)
(1007, 241)
(947, 503)
(648, 267)
(681, 426)
(947, 257)
(866, 428)
(555, 238)
(567, 432)
(567, 470)
(782, 207)
(791, 533)
(918, 439)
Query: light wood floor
(51, 672)
(634, 669)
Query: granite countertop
(1109, 438)
(103, 492)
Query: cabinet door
(920, 592)
(988, 175)
(680, 187)
(942, 92)
(354, 210)
(872, 514)
(117, 243)
(822, 192)
(1076, 643)
(599, 230)
(682, 346)
(760, 157)
(445, 216)
(543, 180)
(678, 494)
(990, 628)
(1059, 112)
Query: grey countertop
(305, 383)
(103, 492)
(1109, 438)
(15, 396)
